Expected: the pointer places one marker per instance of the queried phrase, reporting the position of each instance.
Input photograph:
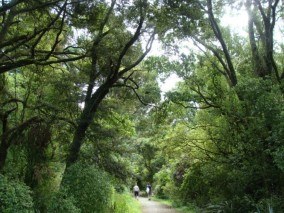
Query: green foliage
(195, 186)
(162, 182)
(279, 158)
(89, 186)
(213, 142)
(270, 205)
(15, 196)
(234, 150)
(16, 163)
(125, 203)
(61, 202)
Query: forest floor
(150, 206)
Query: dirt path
(149, 206)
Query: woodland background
(83, 118)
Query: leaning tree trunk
(85, 121)
(4, 146)
(115, 72)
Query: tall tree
(262, 19)
(229, 83)
(115, 52)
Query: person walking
(149, 190)
(136, 191)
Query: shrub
(89, 186)
(62, 203)
(15, 196)
(161, 180)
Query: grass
(125, 203)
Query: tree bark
(4, 146)
(264, 63)
(92, 101)
(257, 61)
(215, 27)
(85, 120)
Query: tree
(231, 99)
(207, 31)
(24, 39)
(105, 72)
(261, 24)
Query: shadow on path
(149, 206)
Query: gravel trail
(149, 206)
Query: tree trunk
(4, 146)
(264, 63)
(257, 61)
(3, 153)
(85, 120)
(217, 32)
(78, 138)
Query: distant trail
(149, 206)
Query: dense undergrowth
(84, 189)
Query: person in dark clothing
(149, 190)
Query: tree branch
(11, 4)
(128, 45)
(219, 36)
(148, 48)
